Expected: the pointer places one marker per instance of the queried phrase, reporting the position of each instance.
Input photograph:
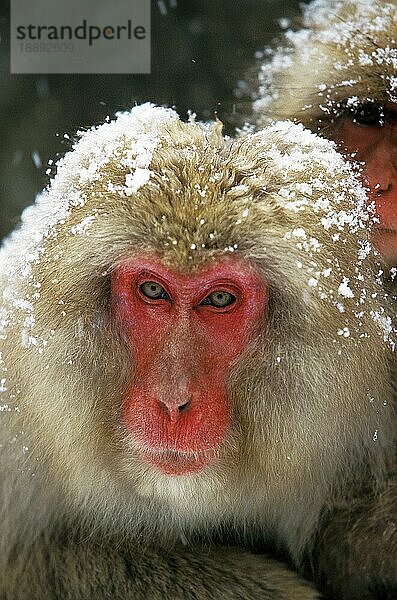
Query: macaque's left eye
(219, 299)
(368, 113)
(154, 291)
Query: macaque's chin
(176, 463)
(385, 241)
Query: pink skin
(376, 145)
(176, 408)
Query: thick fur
(359, 540)
(312, 422)
(345, 51)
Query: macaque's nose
(380, 170)
(174, 407)
(380, 177)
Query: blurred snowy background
(200, 50)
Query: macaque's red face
(184, 332)
(371, 132)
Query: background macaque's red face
(184, 331)
(371, 132)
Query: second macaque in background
(338, 76)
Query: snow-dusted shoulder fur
(81, 515)
(345, 51)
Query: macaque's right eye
(154, 291)
(219, 299)
(368, 113)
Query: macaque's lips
(177, 463)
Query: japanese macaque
(186, 324)
(338, 76)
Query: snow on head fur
(184, 192)
(346, 50)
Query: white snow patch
(82, 227)
(344, 289)
(134, 181)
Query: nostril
(174, 408)
(183, 407)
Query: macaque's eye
(368, 113)
(219, 299)
(154, 291)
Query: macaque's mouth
(171, 462)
